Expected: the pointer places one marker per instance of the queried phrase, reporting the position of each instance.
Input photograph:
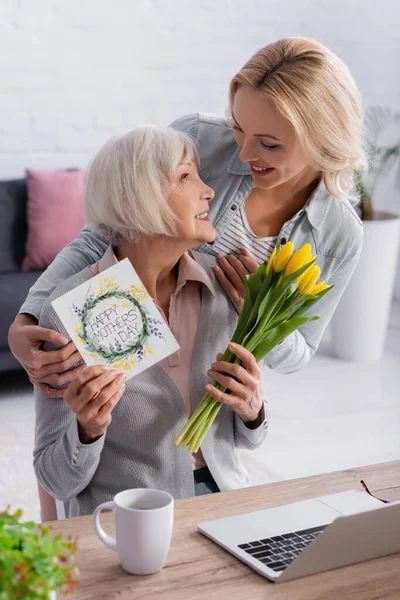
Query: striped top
(239, 235)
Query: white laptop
(307, 537)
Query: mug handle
(104, 537)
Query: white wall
(75, 72)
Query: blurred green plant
(33, 562)
(382, 158)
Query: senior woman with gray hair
(110, 434)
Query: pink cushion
(55, 214)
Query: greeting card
(112, 320)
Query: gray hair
(127, 180)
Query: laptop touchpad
(293, 517)
(351, 502)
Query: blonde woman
(281, 165)
(110, 434)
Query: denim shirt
(329, 224)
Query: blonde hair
(127, 183)
(315, 91)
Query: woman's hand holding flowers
(244, 383)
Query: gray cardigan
(138, 448)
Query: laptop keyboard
(279, 551)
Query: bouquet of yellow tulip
(273, 309)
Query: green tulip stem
(202, 427)
(209, 422)
(195, 414)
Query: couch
(14, 284)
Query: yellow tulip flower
(309, 279)
(307, 260)
(271, 260)
(320, 287)
(299, 259)
(283, 256)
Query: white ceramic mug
(143, 521)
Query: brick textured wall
(74, 73)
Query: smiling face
(189, 197)
(268, 141)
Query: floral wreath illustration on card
(119, 354)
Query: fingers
(242, 383)
(96, 392)
(90, 373)
(229, 399)
(103, 417)
(237, 388)
(232, 369)
(49, 375)
(115, 388)
(248, 261)
(49, 392)
(25, 342)
(42, 334)
(234, 271)
(235, 378)
(229, 289)
(58, 380)
(108, 391)
(247, 358)
(57, 367)
(108, 406)
(43, 361)
(240, 267)
(231, 274)
(248, 410)
(98, 382)
(93, 411)
(73, 394)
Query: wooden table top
(198, 569)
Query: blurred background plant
(382, 158)
(34, 563)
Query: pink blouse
(184, 315)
